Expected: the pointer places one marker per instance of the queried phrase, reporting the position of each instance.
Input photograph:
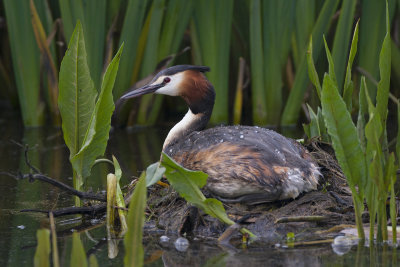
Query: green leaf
(313, 126)
(293, 104)
(43, 248)
(213, 21)
(185, 182)
(393, 207)
(134, 255)
(257, 64)
(188, 183)
(78, 255)
(131, 29)
(93, 261)
(348, 83)
(342, 38)
(398, 134)
(382, 96)
(312, 73)
(372, 33)
(304, 22)
(344, 135)
(276, 44)
(362, 111)
(154, 173)
(331, 65)
(95, 141)
(120, 196)
(77, 95)
(25, 57)
(216, 209)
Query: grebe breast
(247, 164)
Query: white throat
(181, 128)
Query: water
(135, 150)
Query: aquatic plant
(188, 184)
(361, 149)
(134, 255)
(86, 115)
(218, 32)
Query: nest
(330, 205)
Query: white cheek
(171, 88)
(168, 90)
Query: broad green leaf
(95, 141)
(188, 183)
(342, 39)
(331, 64)
(134, 255)
(343, 134)
(154, 173)
(43, 248)
(215, 208)
(78, 255)
(312, 73)
(77, 96)
(382, 96)
(348, 86)
(293, 104)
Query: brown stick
(301, 219)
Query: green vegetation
(361, 149)
(86, 115)
(188, 183)
(271, 36)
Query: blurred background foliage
(256, 50)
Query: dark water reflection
(135, 149)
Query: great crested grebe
(244, 164)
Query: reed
(365, 142)
(212, 23)
(292, 107)
(25, 60)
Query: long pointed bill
(147, 89)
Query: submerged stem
(357, 211)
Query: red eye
(167, 80)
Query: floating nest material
(329, 206)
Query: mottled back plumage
(247, 164)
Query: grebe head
(187, 81)
(191, 84)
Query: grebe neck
(200, 100)
(191, 122)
